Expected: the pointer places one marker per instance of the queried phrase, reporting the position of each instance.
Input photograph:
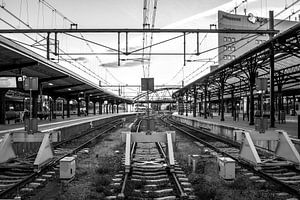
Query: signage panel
(8, 82)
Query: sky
(167, 70)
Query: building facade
(233, 45)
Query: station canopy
(236, 73)
(55, 80)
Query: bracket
(285, 149)
(45, 152)
(167, 137)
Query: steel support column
(100, 107)
(35, 95)
(186, 103)
(78, 107)
(48, 46)
(251, 103)
(63, 109)
(205, 102)
(195, 102)
(94, 107)
(272, 69)
(87, 101)
(294, 105)
(54, 108)
(68, 107)
(209, 104)
(201, 103)
(2, 105)
(222, 86)
(219, 103)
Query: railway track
(286, 177)
(150, 175)
(20, 176)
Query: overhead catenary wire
(289, 6)
(36, 41)
(81, 35)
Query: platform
(46, 125)
(290, 126)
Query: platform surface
(46, 125)
(290, 126)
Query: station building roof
(56, 80)
(236, 72)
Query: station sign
(31, 83)
(147, 84)
(11, 82)
(261, 83)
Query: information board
(8, 82)
(31, 83)
(147, 84)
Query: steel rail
(53, 162)
(175, 178)
(121, 195)
(243, 163)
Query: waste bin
(261, 124)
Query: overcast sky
(129, 14)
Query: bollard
(194, 164)
(189, 160)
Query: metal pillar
(251, 103)
(54, 108)
(209, 104)
(87, 101)
(201, 103)
(2, 105)
(219, 103)
(195, 102)
(63, 110)
(78, 107)
(248, 107)
(68, 108)
(117, 108)
(205, 102)
(294, 106)
(272, 69)
(232, 103)
(100, 107)
(186, 104)
(48, 46)
(222, 100)
(287, 104)
(94, 107)
(184, 49)
(35, 104)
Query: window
(229, 57)
(225, 48)
(225, 57)
(257, 41)
(225, 39)
(228, 48)
(229, 39)
(233, 57)
(233, 39)
(232, 48)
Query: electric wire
(240, 40)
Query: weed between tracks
(208, 185)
